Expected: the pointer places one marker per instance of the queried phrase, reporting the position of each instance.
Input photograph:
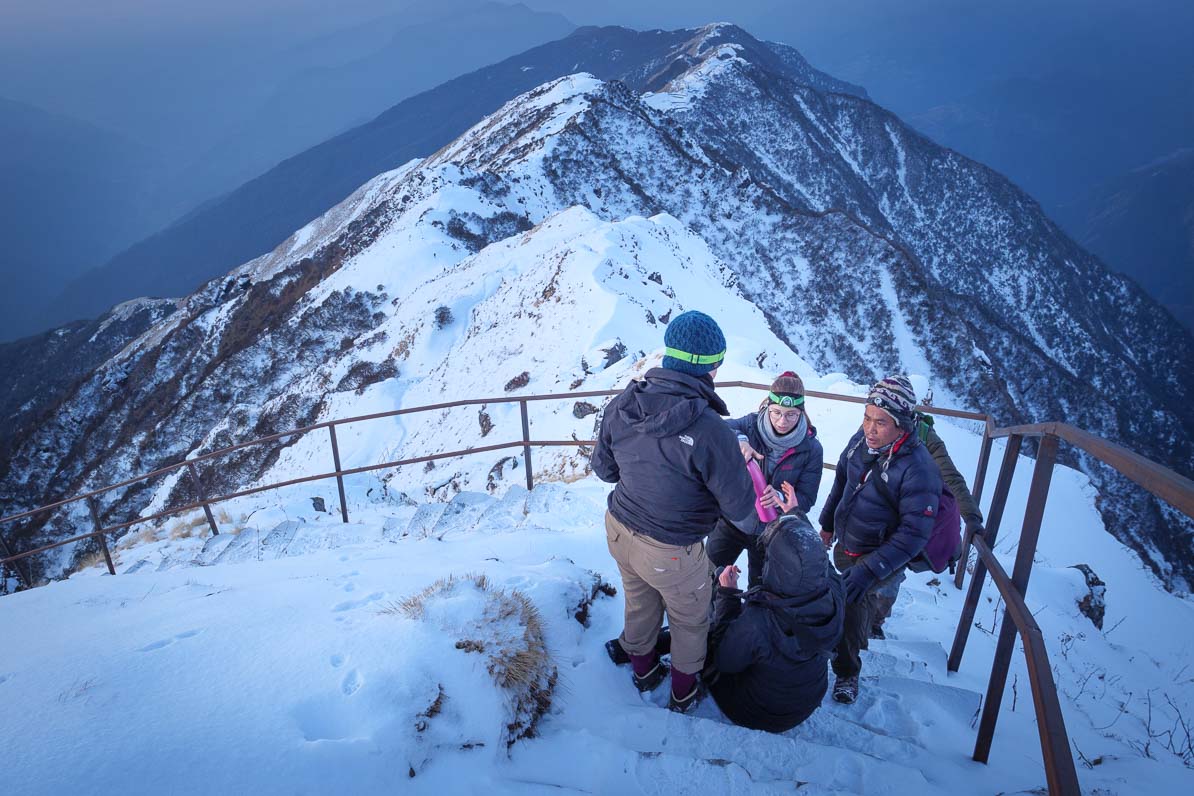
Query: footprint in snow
(166, 642)
(352, 683)
(337, 660)
(351, 604)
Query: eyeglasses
(788, 415)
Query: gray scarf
(778, 445)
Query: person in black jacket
(677, 468)
(781, 438)
(770, 645)
(881, 510)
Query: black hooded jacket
(773, 643)
(676, 463)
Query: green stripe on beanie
(695, 359)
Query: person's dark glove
(857, 580)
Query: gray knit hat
(895, 396)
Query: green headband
(786, 400)
(695, 359)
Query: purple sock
(643, 663)
(682, 683)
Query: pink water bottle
(766, 513)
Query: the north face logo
(687, 440)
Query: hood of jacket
(666, 402)
(801, 590)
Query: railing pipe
(93, 506)
(199, 492)
(1038, 493)
(339, 474)
(998, 500)
(1061, 776)
(526, 444)
(22, 577)
(984, 459)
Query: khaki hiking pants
(658, 577)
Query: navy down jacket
(863, 520)
(800, 465)
(769, 664)
(676, 463)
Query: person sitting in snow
(780, 436)
(770, 645)
(677, 468)
(881, 511)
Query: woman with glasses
(781, 439)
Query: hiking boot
(663, 646)
(651, 680)
(845, 690)
(686, 703)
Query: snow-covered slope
(565, 230)
(277, 658)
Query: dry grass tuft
(194, 523)
(509, 632)
(93, 559)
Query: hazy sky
(54, 22)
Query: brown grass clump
(93, 559)
(509, 633)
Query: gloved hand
(857, 579)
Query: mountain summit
(867, 248)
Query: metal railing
(1175, 489)
(1058, 760)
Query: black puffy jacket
(676, 463)
(864, 520)
(772, 645)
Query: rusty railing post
(339, 477)
(1029, 534)
(21, 576)
(526, 444)
(211, 519)
(998, 501)
(99, 532)
(984, 458)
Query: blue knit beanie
(693, 344)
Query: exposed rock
(518, 382)
(582, 409)
(1093, 605)
(614, 353)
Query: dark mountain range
(869, 248)
(328, 91)
(181, 122)
(61, 173)
(1142, 225)
(260, 214)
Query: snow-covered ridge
(345, 317)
